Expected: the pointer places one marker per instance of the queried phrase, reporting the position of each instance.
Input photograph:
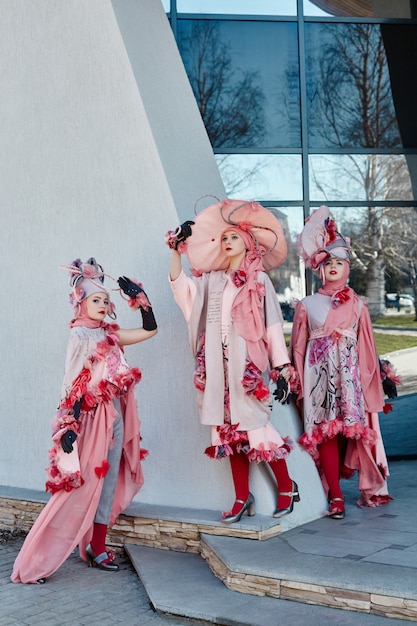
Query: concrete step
(181, 585)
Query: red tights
(329, 461)
(98, 541)
(240, 472)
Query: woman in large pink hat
(95, 462)
(334, 353)
(235, 330)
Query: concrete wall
(102, 150)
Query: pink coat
(206, 306)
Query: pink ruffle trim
(373, 501)
(328, 430)
(236, 442)
(272, 453)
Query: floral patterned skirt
(260, 444)
(333, 398)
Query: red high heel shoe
(336, 510)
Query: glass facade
(309, 102)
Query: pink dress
(341, 391)
(97, 370)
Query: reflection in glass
(261, 176)
(244, 76)
(358, 8)
(349, 96)
(243, 7)
(288, 278)
(357, 177)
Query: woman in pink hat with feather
(235, 331)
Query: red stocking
(329, 461)
(98, 542)
(240, 473)
(284, 482)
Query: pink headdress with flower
(320, 240)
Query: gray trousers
(114, 454)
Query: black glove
(390, 388)
(185, 232)
(67, 440)
(281, 392)
(130, 288)
(76, 409)
(148, 319)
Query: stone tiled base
(161, 527)
(18, 513)
(387, 606)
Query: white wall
(102, 151)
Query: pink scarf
(82, 319)
(344, 311)
(247, 306)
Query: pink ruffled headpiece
(86, 278)
(320, 240)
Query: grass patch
(385, 343)
(397, 320)
(390, 343)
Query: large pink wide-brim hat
(204, 249)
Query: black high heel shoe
(295, 497)
(101, 561)
(248, 506)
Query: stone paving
(77, 595)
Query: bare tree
(231, 100)
(356, 104)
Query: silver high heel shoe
(99, 560)
(248, 506)
(295, 497)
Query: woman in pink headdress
(235, 331)
(333, 351)
(95, 462)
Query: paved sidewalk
(77, 595)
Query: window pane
(347, 8)
(243, 7)
(361, 85)
(288, 278)
(358, 177)
(261, 176)
(244, 76)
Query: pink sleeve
(298, 345)
(184, 291)
(277, 350)
(369, 364)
